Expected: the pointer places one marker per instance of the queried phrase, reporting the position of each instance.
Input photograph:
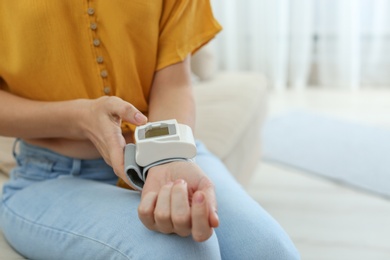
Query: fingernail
(217, 221)
(198, 198)
(216, 215)
(140, 118)
(180, 181)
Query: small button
(104, 73)
(91, 11)
(93, 26)
(107, 90)
(100, 59)
(96, 42)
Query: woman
(76, 77)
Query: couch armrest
(7, 162)
(230, 110)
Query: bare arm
(98, 120)
(20, 117)
(171, 95)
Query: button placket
(96, 42)
(91, 11)
(99, 59)
(104, 73)
(107, 90)
(93, 26)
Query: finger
(146, 210)
(213, 212)
(201, 229)
(162, 212)
(208, 188)
(181, 212)
(127, 112)
(213, 217)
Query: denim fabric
(56, 207)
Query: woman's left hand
(179, 198)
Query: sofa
(231, 107)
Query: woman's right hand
(97, 120)
(101, 123)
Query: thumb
(116, 156)
(128, 113)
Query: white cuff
(137, 174)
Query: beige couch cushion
(204, 63)
(6, 159)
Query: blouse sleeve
(185, 26)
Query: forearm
(171, 95)
(173, 104)
(20, 117)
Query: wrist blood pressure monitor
(163, 140)
(157, 143)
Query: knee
(263, 246)
(280, 246)
(274, 243)
(257, 240)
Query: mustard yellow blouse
(70, 49)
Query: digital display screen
(156, 132)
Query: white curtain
(298, 43)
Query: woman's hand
(102, 124)
(179, 198)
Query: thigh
(246, 230)
(73, 218)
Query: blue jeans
(56, 207)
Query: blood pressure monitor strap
(137, 174)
